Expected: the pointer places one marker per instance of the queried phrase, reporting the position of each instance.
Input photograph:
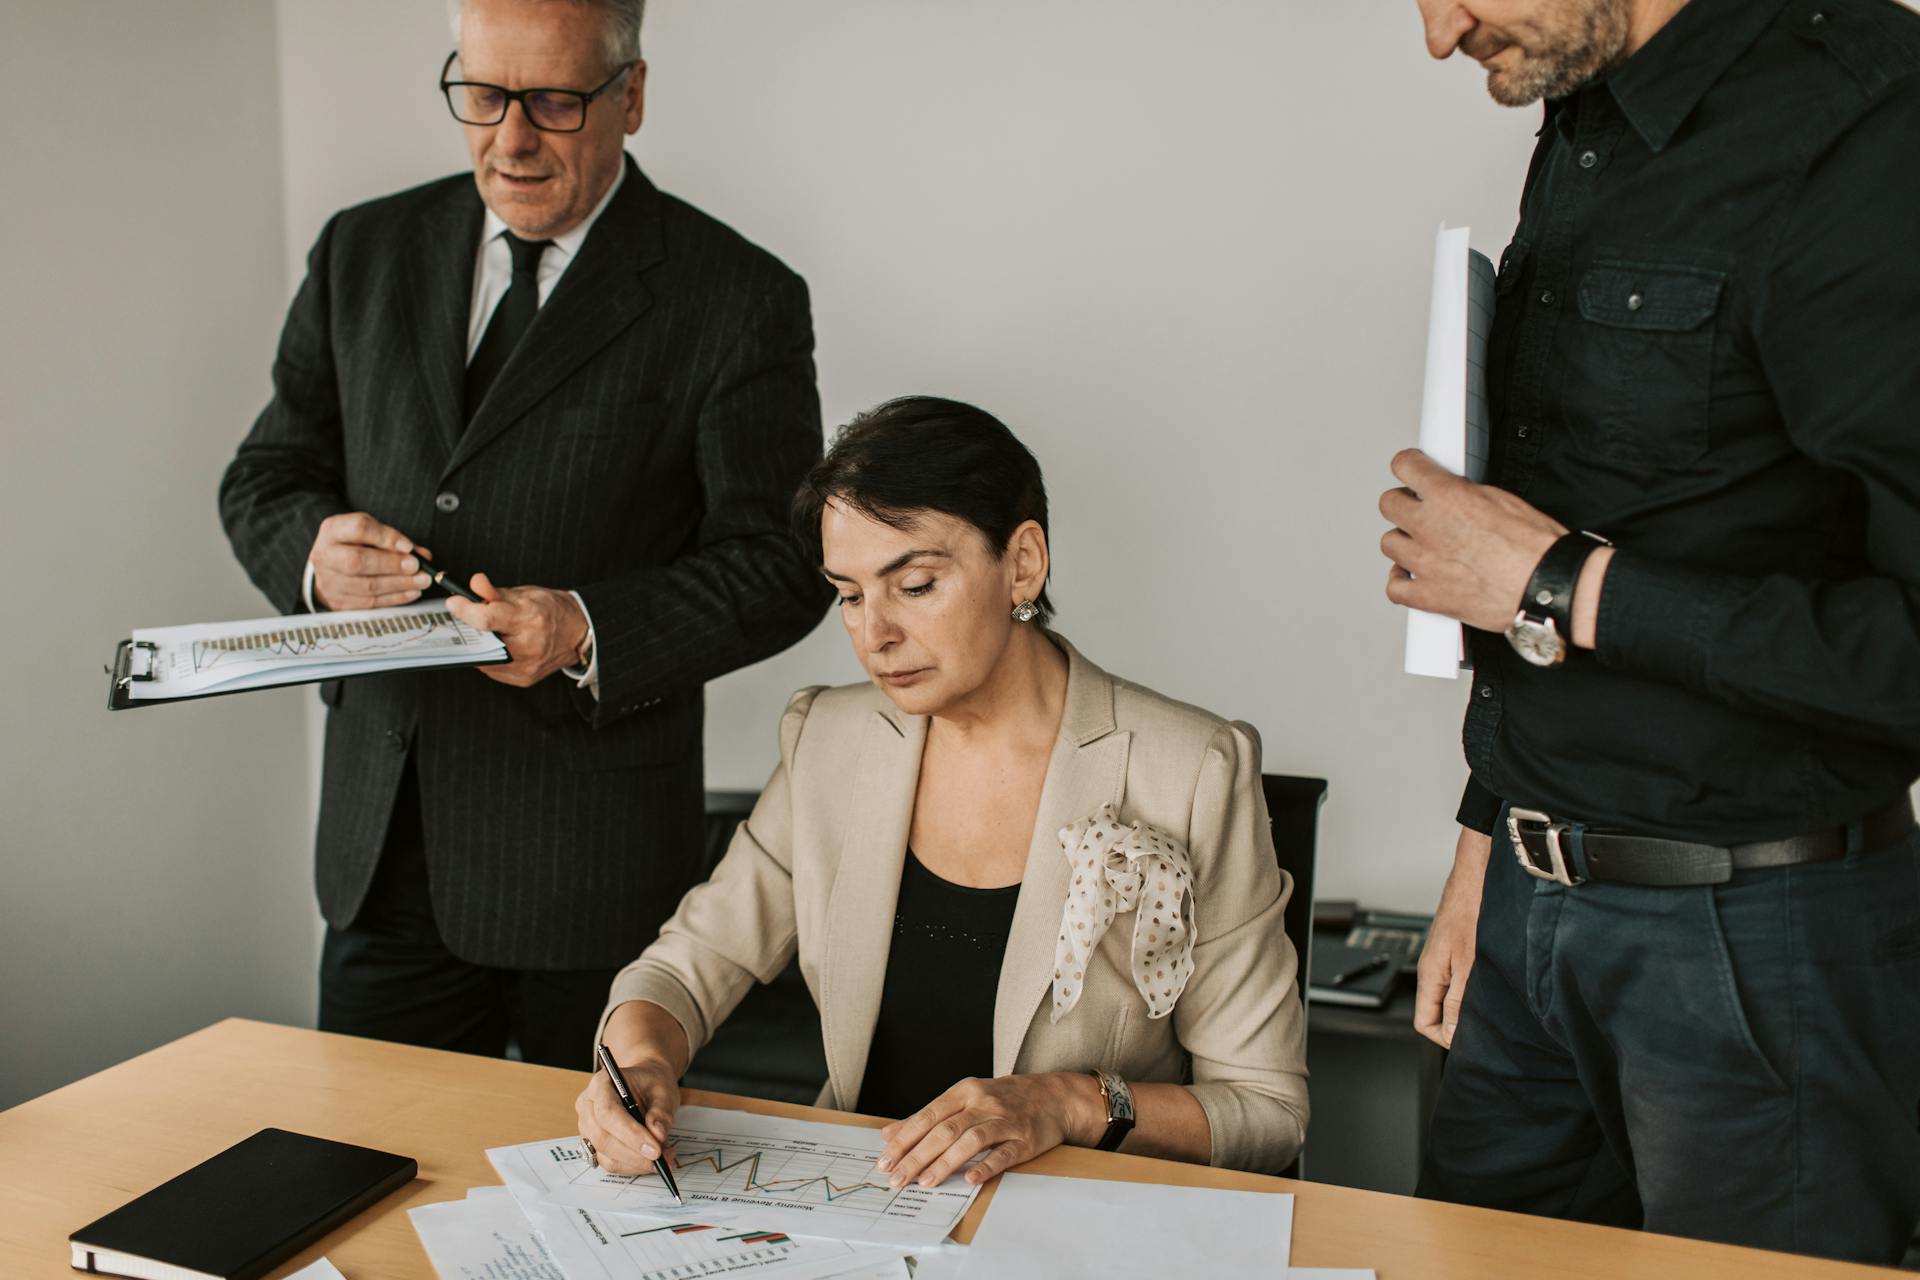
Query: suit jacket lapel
(1088, 769)
(598, 297)
(866, 891)
(439, 295)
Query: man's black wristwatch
(1542, 632)
(1119, 1100)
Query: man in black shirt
(1688, 885)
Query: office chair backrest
(1293, 806)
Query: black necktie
(510, 319)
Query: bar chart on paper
(786, 1175)
(590, 1245)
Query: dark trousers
(388, 975)
(1737, 1063)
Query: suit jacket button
(447, 503)
(396, 740)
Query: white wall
(1183, 250)
(154, 865)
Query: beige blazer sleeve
(737, 928)
(1240, 1017)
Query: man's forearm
(1586, 598)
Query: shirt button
(1588, 159)
(1486, 691)
(1547, 298)
(447, 503)
(1817, 18)
(1635, 302)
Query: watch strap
(1549, 593)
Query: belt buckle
(1558, 873)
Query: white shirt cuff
(306, 588)
(589, 678)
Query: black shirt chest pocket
(1639, 361)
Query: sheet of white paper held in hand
(1454, 426)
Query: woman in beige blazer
(1024, 894)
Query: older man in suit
(552, 375)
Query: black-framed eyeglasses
(554, 110)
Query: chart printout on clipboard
(1455, 430)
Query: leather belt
(1573, 853)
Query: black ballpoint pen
(1374, 965)
(440, 579)
(639, 1118)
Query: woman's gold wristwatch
(1119, 1100)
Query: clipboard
(125, 670)
(138, 661)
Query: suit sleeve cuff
(1479, 808)
(587, 677)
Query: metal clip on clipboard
(132, 660)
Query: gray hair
(620, 38)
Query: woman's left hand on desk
(1011, 1118)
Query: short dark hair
(916, 454)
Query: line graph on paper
(769, 1173)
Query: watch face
(1536, 640)
(1119, 1096)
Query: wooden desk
(78, 1152)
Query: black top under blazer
(640, 447)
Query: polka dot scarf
(1119, 867)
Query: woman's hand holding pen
(543, 629)
(359, 563)
(621, 1145)
(653, 1053)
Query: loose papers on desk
(590, 1245)
(798, 1176)
(1455, 429)
(491, 1236)
(483, 1238)
(1042, 1228)
(319, 1270)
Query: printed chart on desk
(590, 1245)
(786, 1175)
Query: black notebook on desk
(241, 1213)
(1347, 975)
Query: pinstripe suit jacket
(641, 447)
